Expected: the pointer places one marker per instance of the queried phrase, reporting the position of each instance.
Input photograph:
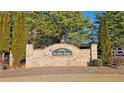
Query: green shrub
(97, 62)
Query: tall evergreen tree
(19, 39)
(4, 32)
(104, 45)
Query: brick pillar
(93, 51)
(29, 55)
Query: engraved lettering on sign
(62, 52)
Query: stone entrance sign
(59, 55)
(61, 52)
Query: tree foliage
(4, 32)
(115, 27)
(19, 37)
(52, 27)
(104, 44)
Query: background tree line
(47, 28)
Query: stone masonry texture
(44, 57)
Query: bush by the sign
(97, 62)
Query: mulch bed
(60, 70)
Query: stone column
(93, 51)
(29, 56)
(10, 59)
(3, 56)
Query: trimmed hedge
(97, 62)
